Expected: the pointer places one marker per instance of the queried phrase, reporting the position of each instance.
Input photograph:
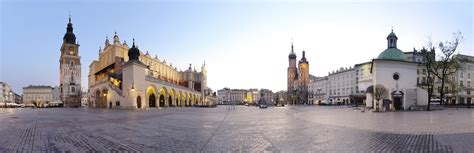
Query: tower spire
(292, 45)
(69, 37)
(69, 16)
(116, 38)
(292, 53)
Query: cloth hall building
(127, 78)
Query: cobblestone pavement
(242, 129)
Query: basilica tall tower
(298, 79)
(292, 77)
(70, 69)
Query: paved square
(281, 129)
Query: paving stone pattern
(226, 129)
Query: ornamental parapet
(156, 80)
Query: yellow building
(125, 77)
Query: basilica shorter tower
(70, 69)
(298, 79)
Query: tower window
(72, 63)
(73, 89)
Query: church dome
(392, 54)
(292, 56)
(133, 53)
(392, 34)
(303, 59)
(69, 37)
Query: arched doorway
(397, 98)
(97, 98)
(162, 101)
(103, 101)
(139, 102)
(170, 101)
(152, 100)
(177, 103)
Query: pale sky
(245, 43)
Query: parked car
(262, 105)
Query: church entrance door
(397, 102)
(139, 102)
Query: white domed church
(396, 74)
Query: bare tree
(378, 93)
(428, 62)
(446, 64)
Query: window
(72, 63)
(73, 89)
(461, 83)
(117, 103)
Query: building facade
(279, 98)
(84, 99)
(318, 90)
(252, 96)
(70, 69)
(341, 84)
(363, 80)
(267, 96)
(38, 96)
(6, 93)
(458, 87)
(124, 77)
(298, 79)
(227, 96)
